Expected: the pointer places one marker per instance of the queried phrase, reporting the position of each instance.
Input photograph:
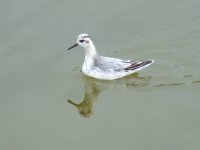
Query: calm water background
(158, 110)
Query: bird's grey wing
(107, 63)
(113, 64)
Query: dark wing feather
(138, 64)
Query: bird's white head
(83, 40)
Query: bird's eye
(81, 41)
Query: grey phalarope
(106, 68)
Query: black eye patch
(81, 41)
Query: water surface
(156, 109)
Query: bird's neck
(90, 51)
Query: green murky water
(45, 102)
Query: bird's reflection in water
(93, 88)
(86, 107)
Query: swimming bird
(106, 68)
